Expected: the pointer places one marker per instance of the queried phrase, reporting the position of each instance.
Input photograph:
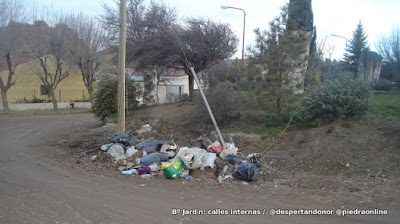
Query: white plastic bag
(131, 151)
(210, 157)
(116, 151)
(192, 157)
(230, 150)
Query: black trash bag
(153, 158)
(232, 159)
(123, 139)
(247, 171)
(150, 145)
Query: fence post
(83, 94)
(59, 91)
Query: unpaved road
(34, 189)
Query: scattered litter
(173, 169)
(123, 139)
(209, 160)
(187, 177)
(117, 152)
(247, 171)
(92, 158)
(145, 128)
(128, 172)
(220, 178)
(229, 150)
(254, 157)
(245, 183)
(106, 147)
(131, 151)
(144, 170)
(150, 145)
(223, 176)
(143, 185)
(125, 165)
(192, 157)
(216, 147)
(154, 167)
(153, 158)
(146, 175)
(170, 149)
(232, 159)
(184, 173)
(218, 168)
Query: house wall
(27, 86)
(162, 87)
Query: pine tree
(357, 46)
(277, 51)
(300, 15)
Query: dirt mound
(343, 147)
(343, 160)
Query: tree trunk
(150, 87)
(90, 91)
(191, 88)
(279, 108)
(53, 99)
(4, 100)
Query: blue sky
(338, 17)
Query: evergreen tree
(278, 50)
(300, 15)
(357, 46)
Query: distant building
(173, 86)
(28, 86)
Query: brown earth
(47, 176)
(353, 162)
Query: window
(44, 90)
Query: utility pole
(121, 68)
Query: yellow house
(28, 85)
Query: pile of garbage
(156, 157)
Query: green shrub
(382, 84)
(34, 100)
(342, 98)
(105, 100)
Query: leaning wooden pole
(121, 68)
(207, 106)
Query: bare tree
(158, 40)
(389, 48)
(204, 43)
(11, 11)
(88, 50)
(49, 48)
(148, 27)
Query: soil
(47, 174)
(343, 160)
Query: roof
(138, 76)
(14, 61)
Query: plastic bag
(150, 145)
(235, 159)
(229, 150)
(193, 158)
(153, 158)
(247, 171)
(131, 151)
(210, 158)
(123, 139)
(117, 152)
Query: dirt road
(34, 189)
